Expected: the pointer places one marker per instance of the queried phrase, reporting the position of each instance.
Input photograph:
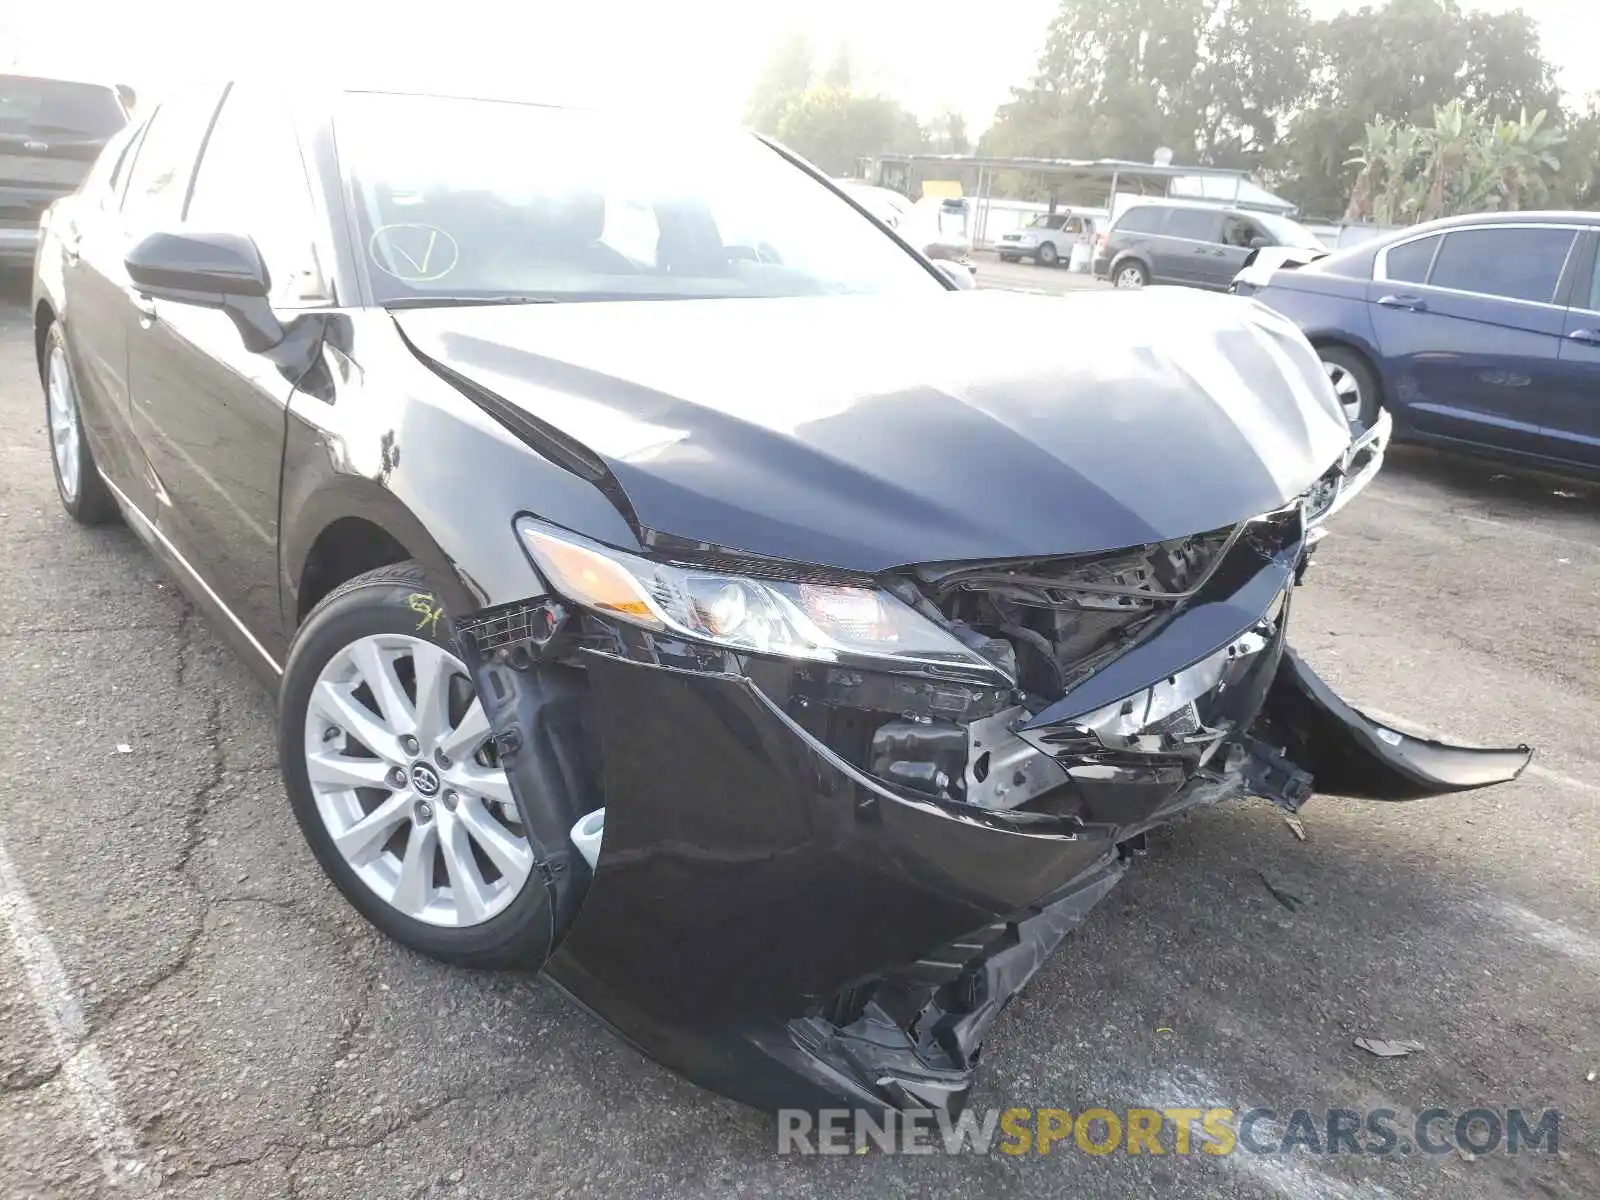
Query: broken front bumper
(779, 926)
(1356, 468)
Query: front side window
(252, 180)
(1239, 231)
(1521, 263)
(1284, 232)
(475, 198)
(164, 159)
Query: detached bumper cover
(1350, 754)
(776, 925)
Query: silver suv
(1047, 239)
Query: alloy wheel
(1347, 388)
(1130, 277)
(63, 422)
(398, 757)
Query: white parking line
(82, 1068)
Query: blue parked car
(1479, 333)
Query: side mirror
(1257, 242)
(958, 273)
(209, 270)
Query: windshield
(38, 106)
(1048, 221)
(1288, 233)
(458, 199)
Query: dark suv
(1201, 245)
(51, 131)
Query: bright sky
(697, 55)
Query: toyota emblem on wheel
(425, 779)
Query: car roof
(32, 77)
(1523, 217)
(1205, 205)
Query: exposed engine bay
(1052, 625)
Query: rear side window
(1146, 218)
(101, 183)
(164, 159)
(1409, 263)
(1519, 263)
(1193, 223)
(55, 107)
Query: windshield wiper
(461, 301)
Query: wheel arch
(44, 316)
(1342, 341)
(1127, 256)
(350, 526)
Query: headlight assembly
(821, 621)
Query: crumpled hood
(865, 432)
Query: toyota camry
(673, 581)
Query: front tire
(387, 760)
(1354, 382)
(83, 493)
(1047, 255)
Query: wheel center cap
(425, 779)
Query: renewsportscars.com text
(1217, 1131)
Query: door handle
(1591, 336)
(146, 308)
(1405, 303)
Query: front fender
(374, 435)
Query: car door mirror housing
(197, 268)
(1258, 242)
(209, 270)
(957, 273)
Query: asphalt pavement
(188, 1009)
(1027, 277)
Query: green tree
(948, 134)
(783, 81)
(1577, 185)
(834, 127)
(1463, 160)
(1399, 62)
(1213, 79)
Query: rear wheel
(1047, 255)
(387, 759)
(1130, 274)
(83, 493)
(1353, 383)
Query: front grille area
(1062, 617)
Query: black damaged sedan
(675, 582)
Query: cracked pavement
(262, 1041)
